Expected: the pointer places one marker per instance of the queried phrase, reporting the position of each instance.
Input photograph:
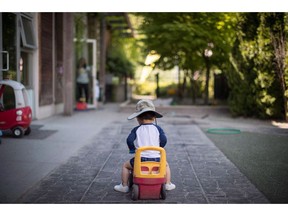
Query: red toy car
(149, 177)
(15, 113)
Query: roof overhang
(120, 21)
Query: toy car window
(25, 95)
(9, 98)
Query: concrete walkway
(80, 159)
(25, 161)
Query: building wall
(59, 71)
(51, 64)
(46, 59)
(18, 37)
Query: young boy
(145, 134)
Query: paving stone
(201, 172)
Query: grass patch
(263, 158)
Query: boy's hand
(132, 151)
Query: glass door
(86, 50)
(91, 61)
(8, 46)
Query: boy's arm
(162, 137)
(130, 141)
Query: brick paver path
(201, 172)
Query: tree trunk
(276, 23)
(206, 99)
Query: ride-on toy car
(15, 113)
(149, 177)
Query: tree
(249, 48)
(120, 61)
(255, 88)
(276, 24)
(118, 64)
(122, 56)
(181, 39)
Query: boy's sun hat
(144, 106)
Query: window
(25, 65)
(27, 32)
(28, 43)
(9, 35)
(5, 61)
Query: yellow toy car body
(149, 177)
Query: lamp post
(157, 85)
(151, 58)
(207, 54)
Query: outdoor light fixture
(207, 54)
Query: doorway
(89, 53)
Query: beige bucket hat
(144, 106)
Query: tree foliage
(255, 85)
(182, 37)
(249, 48)
(118, 64)
(121, 55)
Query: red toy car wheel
(135, 192)
(130, 180)
(18, 132)
(163, 192)
(28, 131)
